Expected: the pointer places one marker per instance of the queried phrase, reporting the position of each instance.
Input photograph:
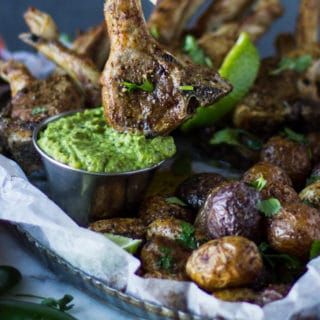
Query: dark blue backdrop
(73, 15)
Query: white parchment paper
(22, 203)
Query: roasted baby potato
(291, 156)
(231, 209)
(194, 189)
(159, 206)
(293, 229)
(226, 262)
(164, 256)
(311, 194)
(127, 227)
(270, 172)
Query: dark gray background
(74, 15)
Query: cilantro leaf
(285, 268)
(269, 207)
(186, 88)
(145, 86)
(175, 200)
(155, 32)
(38, 110)
(236, 137)
(299, 64)
(315, 249)
(312, 179)
(187, 235)
(259, 183)
(294, 136)
(165, 261)
(195, 52)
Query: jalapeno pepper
(21, 310)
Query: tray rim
(96, 287)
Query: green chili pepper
(9, 277)
(21, 310)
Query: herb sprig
(299, 64)
(269, 207)
(166, 260)
(236, 137)
(195, 52)
(145, 86)
(187, 235)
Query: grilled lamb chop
(32, 100)
(93, 43)
(80, 68)
(217, 43)
(218, 13)
(41, 24)
(160, 103)
(170, 18)
(288, 97)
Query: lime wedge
(128, 244)
(240, 67)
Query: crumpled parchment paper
(23, 204)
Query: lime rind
(128, 244)
(240, 67)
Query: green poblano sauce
(85, 141)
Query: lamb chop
(41, 24)
(80, 68)
(93, 43)
(170, 18)
(288, 97)
(145, 89)
(219, 13)
(31, 101)
(217, 43)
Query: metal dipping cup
(90, 196)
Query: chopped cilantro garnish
(315, 249)
(294, 136)
(236, 137)
(38, 110)
(186, 88)
(195, 52)
(312, 179)
(175, 200)
(187, 235)
(65, 38)
(165, 261)
(145, 86)
(269, 207)
(155, 32)
(272, 257)
(299, 64)
(259, 184)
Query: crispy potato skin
(226, 262)
(194, 189)
(289, 155)
(311, 194)
(128, 227)
(156, 206)
(269, 171)
(294, 229)
(231, 209)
